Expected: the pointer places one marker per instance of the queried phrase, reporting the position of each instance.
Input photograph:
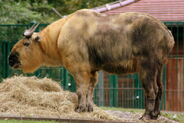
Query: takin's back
(118, 41)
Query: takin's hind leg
(159, 93)
(148, 77)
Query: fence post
(71, 83)
(164, 80)
(61, 76)
(139, 103)
(65, 79)
(101, 88)
(113, 94)
(5, 60)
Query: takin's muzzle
(14, 60)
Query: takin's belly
(120, 68)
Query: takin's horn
(28, 33)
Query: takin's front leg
(82, 82)
(85, 81)
(93, 81)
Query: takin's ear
(36, 37)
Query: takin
(86, 41)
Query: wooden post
(101, 88)
(113, 94)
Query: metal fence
(114, 91)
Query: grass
(174, 116)
(170, 115)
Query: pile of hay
(33, 97)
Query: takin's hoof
(150, 116)
(155, 114)
(83, 108)
(90, 108)
(145, 117)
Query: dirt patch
(134, 117)
(33, 97)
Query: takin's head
(26, 53)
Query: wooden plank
(59, 119)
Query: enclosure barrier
(114, 91)
(58, 120)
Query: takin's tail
(171, 42)
(169, 45)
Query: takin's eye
(26, 44)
